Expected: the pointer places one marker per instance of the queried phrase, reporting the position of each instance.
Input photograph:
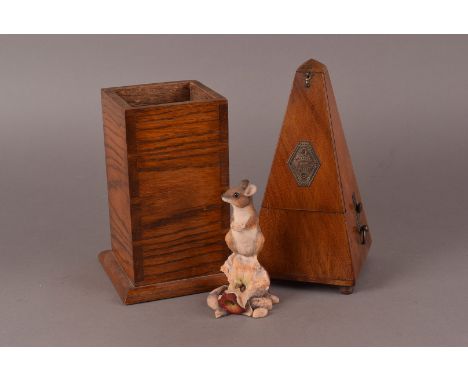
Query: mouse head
(240, 196)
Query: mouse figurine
(245, 236)
(248, 290)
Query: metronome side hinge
(362, 228)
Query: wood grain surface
(168, 163)
(306, 116)
(349, 185)
(117, 181)
(306, 246)
(131, 294)
(311, 232)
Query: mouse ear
(244, 183)
(250, 190)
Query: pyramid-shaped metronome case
(312, 215)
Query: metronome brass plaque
(304, 163)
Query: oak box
(167, 164)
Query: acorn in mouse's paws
(249, 283)
(228, 302)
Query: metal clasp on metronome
(362, 228)
(308, 77)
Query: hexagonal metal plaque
(304, 163)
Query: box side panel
(306, 246)
(118, 182)
(181, 162)
(306, 120)
(224, 162)
(349, 185)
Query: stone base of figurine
(248, 290)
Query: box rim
(112, 91)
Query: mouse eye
(236, 195)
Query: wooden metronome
(312, 215)
(167, 164)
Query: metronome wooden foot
(346, 290)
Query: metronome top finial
(313, 66)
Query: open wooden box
(167, 164)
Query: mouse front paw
(237, 227)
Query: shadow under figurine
(247, 292)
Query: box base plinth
(132, 294)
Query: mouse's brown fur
(245, 236)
